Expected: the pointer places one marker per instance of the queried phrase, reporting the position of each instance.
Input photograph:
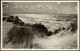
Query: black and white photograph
(40, 25)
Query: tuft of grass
(41, 29)
(20, 35)
(73, 27)
(10, 19)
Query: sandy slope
(58, 42)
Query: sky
(40, 7)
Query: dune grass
(25, 34)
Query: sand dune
(63, 33)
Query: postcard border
(39, 1)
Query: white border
(39, 1)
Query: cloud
(58, 8)
(37, 6)
(68, 10)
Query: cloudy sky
(40, 7)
